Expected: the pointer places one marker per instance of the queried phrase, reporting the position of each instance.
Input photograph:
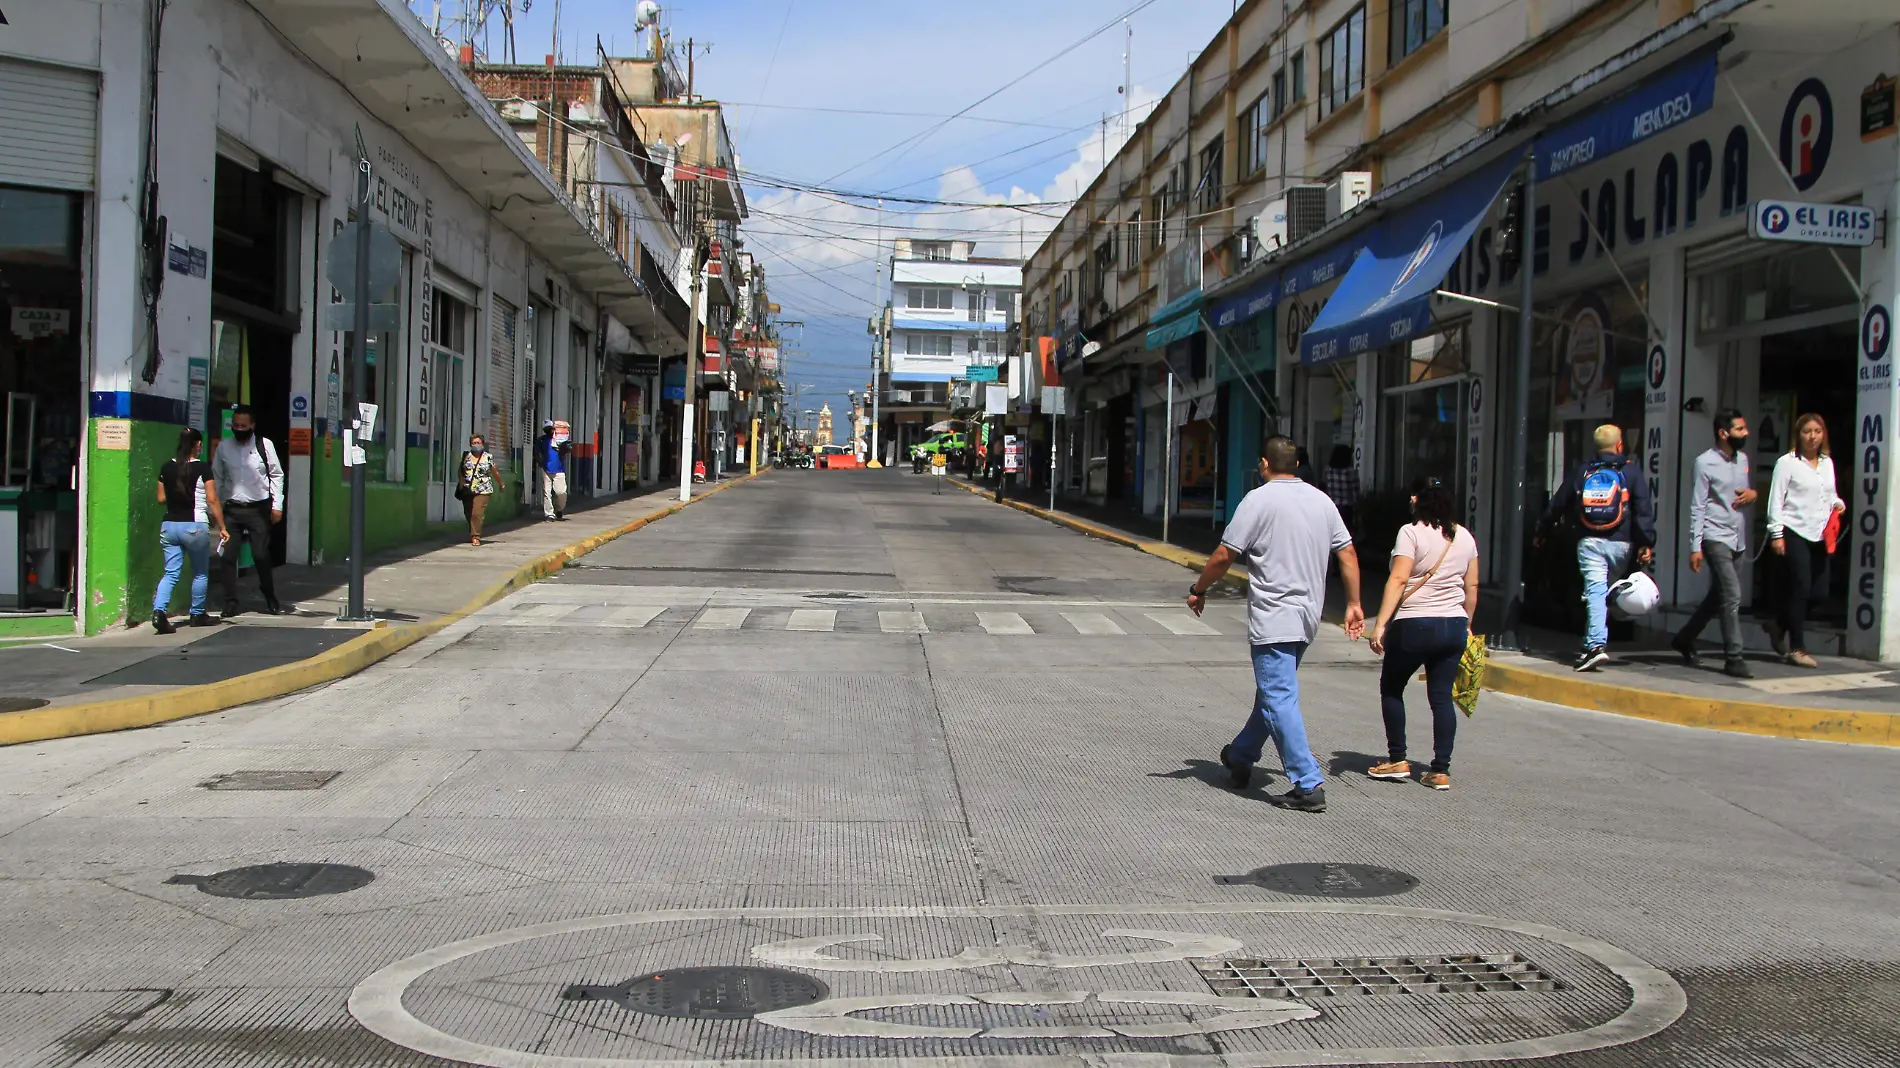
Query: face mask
(241, 435)
(1737, 441)
(478, 449)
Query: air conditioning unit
(1346, 192)
(1305, 211)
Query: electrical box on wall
(1346, 192)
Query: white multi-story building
(950, 310)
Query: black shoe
(560, 517)
(1738, 669)
(274, 608)
(1239, 776)
(230, 612)
(202, 619)
(1686, 650)
(1300, 800)
(162, 623)
(1592, 659)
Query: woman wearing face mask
(481, 479)
(1802, 498)
(1424, 619)
(193, 523)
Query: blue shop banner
(1667, 100)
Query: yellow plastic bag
(1464, 689)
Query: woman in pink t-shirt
(1424, 619)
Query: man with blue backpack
(1610, 496)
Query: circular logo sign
(1807, 133)
(1876, 333)
(1477, 395)
(1426, 246)
(1658, 367)
(1774, 218)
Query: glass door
(448, 431)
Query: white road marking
(902, 623)
(1656, 1000)
(1092, 623)
(823, 620)
(1181, 623)
(1004, 623)
(722, 619)
(637, 616)
(833, 1016)
(809, 954)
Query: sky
(811, 87)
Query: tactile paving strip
(1461, 974)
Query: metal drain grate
(271, 780)
(1464, 974)
(707, 993)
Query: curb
(1660, 706)
(380, 643)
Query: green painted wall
(397, 510)
(123, 559)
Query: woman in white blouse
(1801, 499)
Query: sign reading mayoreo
(1813, 224)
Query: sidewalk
(1844, 700)
(410, 590)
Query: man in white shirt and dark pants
(250, 478)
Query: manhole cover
(279, 882)
(1327, 880)
(271, 780)
(1472, 973)
(707, 993)
(21, 704)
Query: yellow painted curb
(1661, 706)
(1691, 710)
(380, 643)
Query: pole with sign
(1054, 405)
(355, 611)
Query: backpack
(1603, 497)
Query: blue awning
(1669, 98)
(1245, 305)
(1181, 326)
(1181, 305)
(1386, 294)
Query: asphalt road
(949, 771)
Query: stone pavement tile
(750, 712)
(82, 934)
(374, 783)
(684, 852)
(429, 707)
(590, 785)
(96, 847)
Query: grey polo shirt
(1712, 512)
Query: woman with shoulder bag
(481, 479)
(1424, 620)
(1803, 504)
(193, 526)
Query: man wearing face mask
(251, 479)
(1718, 537)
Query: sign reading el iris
(1813, 224)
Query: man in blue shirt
(1610, 496)
(550, 458)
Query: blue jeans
(181, 540)
(1436, 644)
(1602, 562)
(1276, 715)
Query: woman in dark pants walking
(1802, 498)
(1424, 619)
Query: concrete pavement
(948, 770)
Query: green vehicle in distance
(947, 442)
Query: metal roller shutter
(501, 378)
(48, 126)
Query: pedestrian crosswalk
(1019, 620)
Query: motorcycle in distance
(794, 460)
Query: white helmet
(1635, 596)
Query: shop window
(1799, 281)
(256, 225)
(1425, 383)
(1342, 62)
(1413, 23)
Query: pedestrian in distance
(193, 522)
(940, 468)
(246, 467)
(1342, 483)
(1284, 529)
(550, 459)
(1804, 517)
(1306, 469)
(1718, 537)
(1610, 496)
(481, 479)
(1424, 620)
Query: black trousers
(1435, 644)
(1804, 581)
(250, 521)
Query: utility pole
(359, 387)
(695, 337)
(1167, 453)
